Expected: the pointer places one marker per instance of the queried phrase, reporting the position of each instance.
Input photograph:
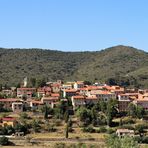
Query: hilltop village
(79, 93)
(71, 108)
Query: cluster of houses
(79, 93)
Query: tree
(40, 82)
(33, 82)
(103, 106)
(24, 115)
(66, 130)
(10, 130)
(111, 111)
(87, 83)
(132, 110)
(46, 112)
(135, 111)
(140, 112)
(35, 125)
(21, 128)
(60, 110)
(66, 116)
(4, 141)
(85, 115)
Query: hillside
(110, 65)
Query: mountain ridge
(103, 65)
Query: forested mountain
(116, 65)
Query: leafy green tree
(132, 110)
(60, 110)
(24, 115)
(21, 128)
(35, 126)
(4, 141)
(10, 130)
(33, 82)
(140, 112)
(135, 111)
(66, 116)
(102, 106)
(111, 111)
(67, 131)
(46, 112)
(40, 82)
(85, 115)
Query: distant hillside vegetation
(120, 65)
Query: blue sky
(73, 25)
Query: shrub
(140, 128)
(89, 129)
(145, 139)
(4, 141)
(110, 131)
(103, 129)
(51, 128)
(57, 122)
(128, 121)
(59, 145)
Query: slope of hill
(113, 64)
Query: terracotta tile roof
(91, 87)
(8, 119)
(9, 100)
(84, 88)
(50, 98)
(79, 82)
(142, 100)
(36, 102)
(124, 95)
(125, 131)
(91, 98)
(70, 90)
(55, 95)
(78, 97)
(24, 88)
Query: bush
(110, 131)
(4, 141)
(140, 128)
(57, 122)
(59, 145)
(143, 139)
(51, 128)
(89, 129)
(102, 129)
(128, 121)
(24, 116)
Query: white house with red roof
(103, 95)
(69, 92)
(123, 101)
(7, 103)
(52, 101)
(80, 100)
(78, 85)
(28, 92)
(17, 107)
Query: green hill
(120, 65)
